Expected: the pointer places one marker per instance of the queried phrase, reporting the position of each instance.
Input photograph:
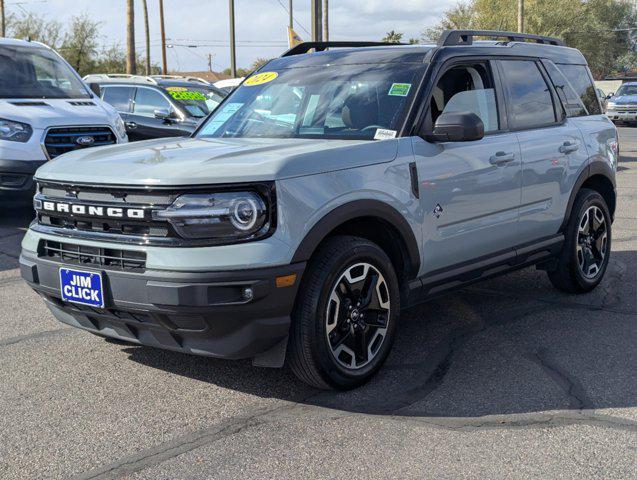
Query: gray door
(469, 191)
(553, 149)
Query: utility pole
(317, 24)
(520, 16)
(326, 21)
(233, 50)
(3, 27)
(290, 11)
(147, 31)
(164, 64)
(131, 68)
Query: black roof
(369, 52)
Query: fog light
(247, 293)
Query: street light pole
(317, 34)
(290, 10)
(233, 53)
(326, 21)
(164, 63)
(3, 28)
(521, 16)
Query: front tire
(586, 251)
(344, 323)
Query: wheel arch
(599, 176)
(373, 220)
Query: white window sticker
(383, 134)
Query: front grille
(60, 140)
(106, 258)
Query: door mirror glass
(162, 113)
(610, 95)
(457, 127)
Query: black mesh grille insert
(65, 139)
(107, 258)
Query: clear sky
(260, 24)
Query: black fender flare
(594, 168)
(360, 209)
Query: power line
(297, 22)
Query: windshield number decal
(187, 95)
(399, 89)
(260, 79)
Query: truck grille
(60, 140)
(107, 258)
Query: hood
(624, 100)
(57, 112)
(194, 161)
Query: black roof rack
(465, 37)
(320, 46)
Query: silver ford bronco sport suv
(336, 186)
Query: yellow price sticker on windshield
(260, 79)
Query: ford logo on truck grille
(85, 141)
(85, 210)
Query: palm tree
(392, 37)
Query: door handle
(501, 158)
(568, 147)
(130, 125)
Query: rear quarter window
(580, 79)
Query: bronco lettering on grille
(93, 210)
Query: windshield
(627, 90)
(341, 101)
(198, 101)
(28, 72)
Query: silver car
(327, 193)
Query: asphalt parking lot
(507, 379)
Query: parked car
(45, 111)
(622, 105)
(157, 106)
(327, 193)
(228, 85)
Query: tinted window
(626, 90)
(147, 101)
(29, 72)
(530, 101)
(570, 100)
(581, 81)
(119, 97)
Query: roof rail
(181, 77)
(465, 37)
(320, 46)
(120, 77)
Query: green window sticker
(186, 95)
(399, 89)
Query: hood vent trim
(30, 104)
(82, 104)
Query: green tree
(392, 37)
(596, 27)
(36, 28)
(80, 44)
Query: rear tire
(345, 318)
(586, 251)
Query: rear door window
(529, 97)
(119, 97)
(580, 79)
(570, 100)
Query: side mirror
(610, 95)
(162, 114)
(457, 127)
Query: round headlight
(245, 213)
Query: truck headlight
(610, 106)
(120, 127)
(223, 216)
(15, 131)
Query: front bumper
(622, 116)
(192, 312)
(16, 177)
